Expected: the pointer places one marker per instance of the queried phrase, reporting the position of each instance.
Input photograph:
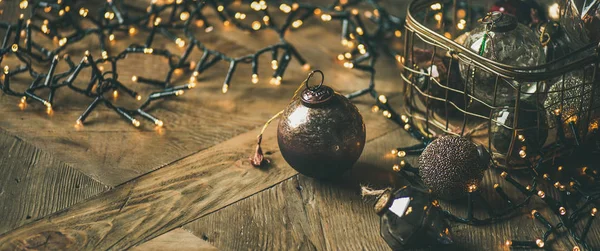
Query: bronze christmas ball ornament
(451, 166)
(321, 133)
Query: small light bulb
(138, 97)
(158, 123)
(508, 243)
(23, 4)
(220, 8)
(297, 23)
(541, 194)
(375, 108)
(285, 8)
(401, 154)
(179, 93)
(256, 25)
(135, 122)
(306, 67)
(382, 99)
(562, 211)
(148, 50)
(522, 154)
(594, 211)
(134, 78)
(326, 17)
(472, 188)
(180, 42)
(115, 94)
(539, 243)
(104, 54)
(274, 64)
(254, 78)
(348, 65)
(14, 47)
(359, 31)
(225, 88)
(396, 168)
(184, 15)
(111, 37)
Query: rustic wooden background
(189, 185)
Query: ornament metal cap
(317, 94)
(500, 22)
(383, 202)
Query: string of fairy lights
(175, 20)
(567, 165)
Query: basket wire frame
(426, 41)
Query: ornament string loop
(310, 76)
(258, 158)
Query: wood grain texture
(201, 118)
(165, 199)
(175, 240)
(34, 184)
(302, 213)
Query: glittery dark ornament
(437, 76)
(532, 121)
(410, 219)
(321, 133)
(528, 12)
(449, 165)
(572, 96)
(502, 39)
(557, 43)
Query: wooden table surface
(189, 185)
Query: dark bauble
(445, 83)
(507, 42)
(321, 133)
(410, 219)
(531, 124)
(557, 42)
(573, 97)
(450, 165)
(528, 12)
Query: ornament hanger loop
(310, 76)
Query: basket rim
(536, 73)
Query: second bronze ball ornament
(321, 133)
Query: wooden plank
(165, 199)
(34, 184)
(302, 213)
(175, 240)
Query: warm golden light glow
(297, 23)
(382, 99)
(436, 6)
(184, 15)
(254, 78)
(285, 8)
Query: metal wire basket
(535, 123)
